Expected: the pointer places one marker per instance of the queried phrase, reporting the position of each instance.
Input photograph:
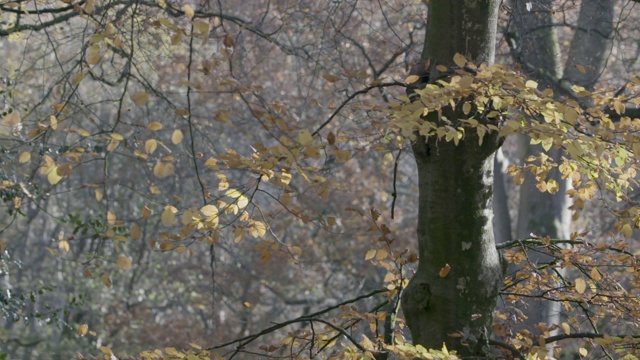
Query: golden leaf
(176, 137)
(188, 11)
(150, 146)
(580, 286)
(168, 215)
(111, 218)
(459, 60)
(154, 126)
(24, 157)
(411, 79)
(82, 330)
(305, 138)
(99, 194)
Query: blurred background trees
(119, 115)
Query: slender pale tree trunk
(538, 47)
(455, 210)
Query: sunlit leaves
(168, 215)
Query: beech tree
(251, 158)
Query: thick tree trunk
(455, 211)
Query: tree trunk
(543, 213)
(455, 211)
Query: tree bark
(455, 210)
(543, 213)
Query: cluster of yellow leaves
(600, 152)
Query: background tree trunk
(539, 50)
(455, 210)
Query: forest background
(238, 179)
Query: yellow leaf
(209, 210)
(595, 274)
(82, 330)
(53, 176)
(99, 194)
(381, 254)
(459, 60)
(111, 218)
(24, 157)
(124, 263)
(176, 137)
(163, 169)
(580, 286)
(116, 136)
(136, 232)
(106, 281)
(626, 230)
(154, 125)
(446, 269)
(63, 245)
(583, 351)
(53, 122)
(411, 79)
(188, 11)
(531, 84)
(582, 70)
(140, 98)
(238, 234)
(94, 56)
(331, 78)
(168, 215)
(89, 7)
(305, 138)
(150, 146)
(146, 212)
(566, 328)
